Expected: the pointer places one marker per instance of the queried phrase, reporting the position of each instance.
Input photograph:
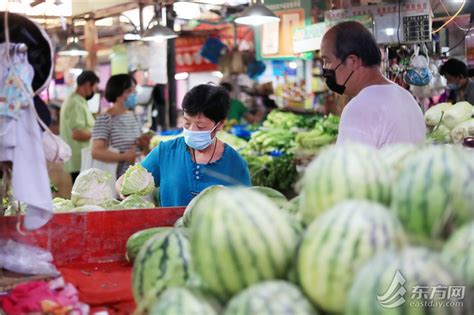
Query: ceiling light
(181, 76)
(218, 74)
(159, 32)
(257, 14)
(389, 31)
(131, 36)
(73, 48)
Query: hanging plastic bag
(418, 72)
(26, 259)
(56, 150)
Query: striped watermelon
(277, 197)
(270, 298)
(164, 261)
(195, 201)
(338, 243)
(293, 205)
(435, 192)
(458, 253)
(342, 172)
(392, 283)
(182, 301)
(395, 155)
(240, 238)
(179, 223)
(136, 241)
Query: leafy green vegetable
(275, 172)
(92, 187)
(62, 205)
(136, 202)
(137, 181)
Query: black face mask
(330, 76)
(90, 96)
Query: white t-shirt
(380, 115)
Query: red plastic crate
(89, 250)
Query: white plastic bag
(56, 150)
(26, 259)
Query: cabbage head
(137, 181)
(62, 205)
(87, 208)
(136, 202)
(92, 187)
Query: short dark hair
(227, 86)
(118, 84)
(354, 38)
(210, 100)
(454, 67)
(87, 76)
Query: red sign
(188, 55)
(188, 48)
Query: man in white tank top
(380, 111)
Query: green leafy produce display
(278, 172)
(267, 141)
(287, 120)
(323, 133)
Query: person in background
(380, 112)
(237, 109)
(459, 83)
(185, 166)
(119, 127)
(76, 121)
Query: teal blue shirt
(180, 179)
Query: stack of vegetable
(288, 121)
(92, 191)
(324, 133)
(268, 141)
(269, 157)
(450, 123)
(364, 232)
(278, 171)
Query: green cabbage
(456, 114)
(434, 114)
(92, 187)
(137, 181)
(440, 133)
(463, 130)
(112, 204)
(87, 208)
(136, 202)
(62, 205)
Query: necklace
(213, 151)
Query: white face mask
(198, 140)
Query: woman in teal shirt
(185, 166)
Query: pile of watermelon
(368, 231)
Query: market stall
(322, 226)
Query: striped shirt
(120, 132)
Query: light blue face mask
(131, 101)
(453, 86)
(198, 140)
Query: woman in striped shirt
(119, 127)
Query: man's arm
(81, 134)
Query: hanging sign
(188, 55)
(275, 40)
(308, 38)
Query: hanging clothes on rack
(20, 136)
